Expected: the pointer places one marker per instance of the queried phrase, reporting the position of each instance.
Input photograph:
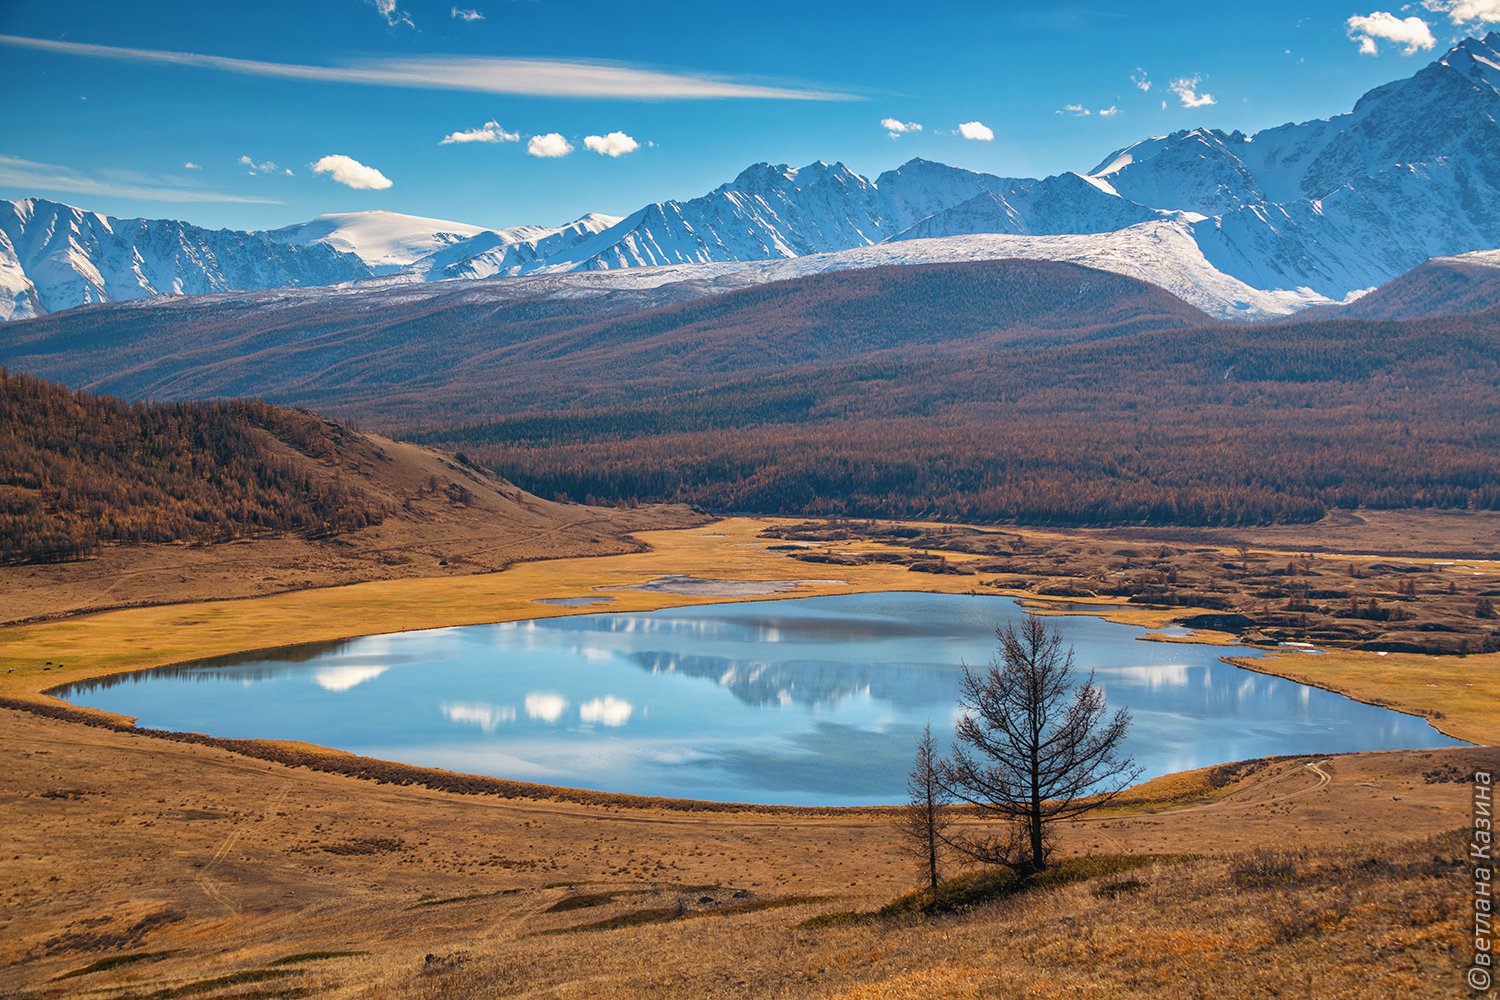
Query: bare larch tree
(1030, 748)
(923, 821)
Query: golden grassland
(47, 654)
(149, 866)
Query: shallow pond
(800, 701)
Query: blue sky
(368, 89)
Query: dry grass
(1349, 923)
(275, 871)
(215, 865)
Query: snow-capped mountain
(770, 212)
(1240, 225)
(506, 252)
(56, 257)
(384, 240)
(1342, 204)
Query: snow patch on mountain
(379, 238)
(505, 252)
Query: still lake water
(808, 701)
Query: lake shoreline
(712, 687)
(32, 688)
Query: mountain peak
(1478, 60)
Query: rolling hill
(105, 504)
(1444, 286)
(466, 353)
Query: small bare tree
(923, 821)
(1030, 748)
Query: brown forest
(1208, 427)
(78, 470)
(1002, 391)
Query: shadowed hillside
(404, 357)
(1005, 391)
(108, 504)
(1265, 425)
(77, 470)
(1446, 287)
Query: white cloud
(190, 165)
(1109, 112)
(896, 128)
(976, 130)
(607, 711)
(1141, 80)
(346, 677)
(545, 705)
(1481, 12)
(1186, 89)
(461, 14)
(488, 132)
(351, 173)
(549, 146)
(262, 167)
(1380, 26)
(476, 74)
(486, 716)
(30, 175)
(394, 16)
(612, 144)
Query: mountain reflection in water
(799, 701)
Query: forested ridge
(1207, 427)
(79, 470)
(1022, 391)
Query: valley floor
(139, 866)
(142, 867)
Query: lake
(802, 701)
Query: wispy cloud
(27, 176)
(1480, 12)
(549, 146)
(612, 144)
(1369, 30)
(1079, 111)
(1186, 89)
(1141, 80)
(394, 16)
(351, 173)
(896, 128)
(253, 167)
(978, 131)
(488, 132)
(476, 74)
(190, 165)
(464, 14)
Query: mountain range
(1241, 226)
